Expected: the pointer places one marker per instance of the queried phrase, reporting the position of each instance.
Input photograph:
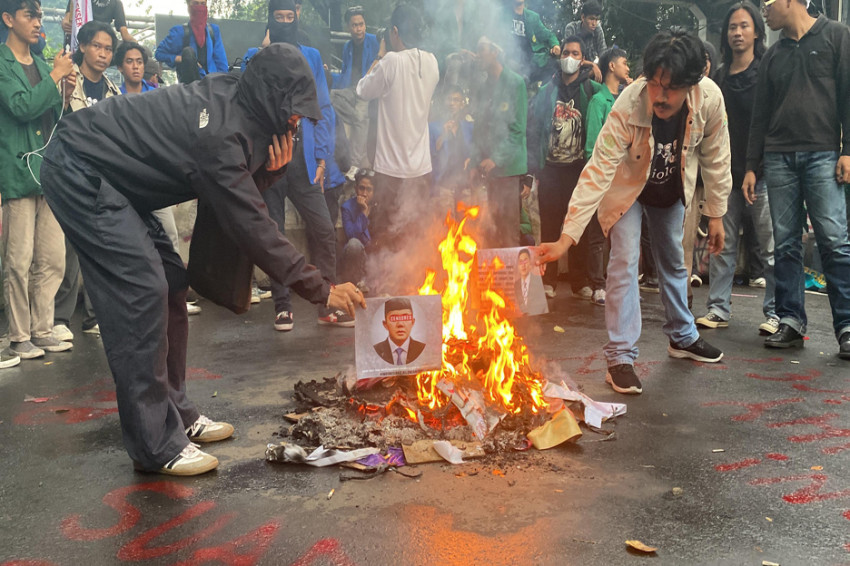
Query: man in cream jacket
(661, 129)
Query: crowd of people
(491, 108)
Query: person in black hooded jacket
(221, 140)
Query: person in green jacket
(532, 46)
(499, 156)
(33, 244)
(614, 67)
(556, 139)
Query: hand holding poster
(513, 274)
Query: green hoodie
(21, 108)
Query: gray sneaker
(9, 359)
(51, 344)
(26, 350)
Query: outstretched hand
(553, 251)
(344, 297)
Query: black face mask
(280, 32)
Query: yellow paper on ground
(561, 428)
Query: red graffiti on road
(754, 410)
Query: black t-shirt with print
(664, 186)
(95, 92)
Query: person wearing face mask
(557, 130)
(195, 49)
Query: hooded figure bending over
(220, 140)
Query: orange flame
(497, 351)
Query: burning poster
(401, 336)
(513, 275)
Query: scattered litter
(559, 329)
(769, 520)
(393, 457)
(677, 491)
(292, 453)
(638, 545)
(449, 453)
(769, 563)
(48, 363)
(498, 472)
(794, 362)
(595, 412)
(561, 428)
(559, 491)
(817, 468)
(31, 399)
(716, 450)
(369, 474)
(663, 414)
(215, 394)
(61, 411)
(422, 451)
(331, 493)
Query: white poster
(512, 272)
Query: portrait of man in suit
(399, 348)
(529, 286)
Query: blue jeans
(622, 303)
(792, 180)
(721, 269)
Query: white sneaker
(206, 430)
(92, 330)
(549, 291)
(190, 462)
(51, 344)
(351, 173)
(255, 295)
(598, 297)
(193, 309)
(769, 326)
(696, 280)
(759, 282)
(63, 333)
(584, 293)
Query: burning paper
(294, 454)
(401, 336)
(512, 273)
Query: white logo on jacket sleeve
(203, 119)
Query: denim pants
(622, 303)
(722, 266)
(794, 179)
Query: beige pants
(33, 248)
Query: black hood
(276, 84)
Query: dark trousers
(586, 260)
(313, 209)
(504, 200)
(137, 284)
(68, 293)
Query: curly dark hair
(121, 52)
(678, 52)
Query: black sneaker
(784, 338)
(623, 379)
(711, 320)
(283, 321)
(844, 346)
(337, 318)
(700, 351)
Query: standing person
(742, 50)
(220, 140)
(451, 146)
(303, 182)
(94, 54)
(131, 60)
(590, 31)
(358, 54)
(33, 247)
(532, 45)
(403, 81)
(194, 49)
(556, 139)
(500, 151)
(805, 160)
(106, 11)
(662, 128)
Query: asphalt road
(755, 445)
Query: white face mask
(569, 66)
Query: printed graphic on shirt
(664, 163)
(565, 144)
(519, 27)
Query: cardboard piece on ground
(422, 451)
(560, 428)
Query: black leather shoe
(785, 337)
(844, 346)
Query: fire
(490, 357)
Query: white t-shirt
(404, 83)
